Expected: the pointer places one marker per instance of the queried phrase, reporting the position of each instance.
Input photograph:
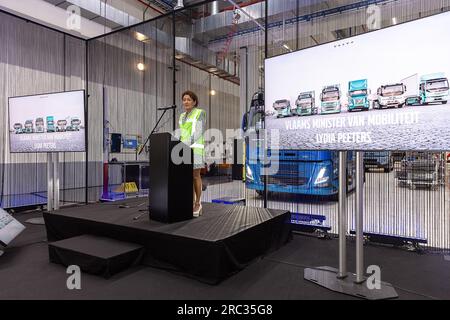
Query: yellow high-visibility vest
(188, 130)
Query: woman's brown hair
(192, 95)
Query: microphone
(167, 108)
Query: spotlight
(212, 92)
(140, 37)
(179, 5)
(140, 66)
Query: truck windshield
(358, 93)
(304, 98)
(330, 95)
(280, 105)
(437, 85)
(391, 91)
(256, 120)
(305, 101)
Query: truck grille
(289, 174)
(287, 181)
(328, 107)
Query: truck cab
(50, 124)
(18, 128)
(74, 124)
(61, 125)
(434, 88)
(330, 99)
(282, 108)
(391, 96)
(313, 173)
(29, 127)
(306, 104)
(40, 125)
(358, 95)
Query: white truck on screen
(391, 96)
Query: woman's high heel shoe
(198, 213)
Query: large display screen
(9, 228)
(383, 90)
(47, 123)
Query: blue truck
(330, 99)
(434, 88)
(51, 124)
(358, 95)
(312, 173)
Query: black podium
(170, 188)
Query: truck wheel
(444, 102)
(401, 106)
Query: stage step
(96, 255)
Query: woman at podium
(193, 125)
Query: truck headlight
(249, 173)
(322, 178)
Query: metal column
(342, 215)
(359, 217)
(50, 173)
(52, 181)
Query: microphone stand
(143, 146)
(154, 129)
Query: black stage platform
(224, 240)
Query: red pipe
(148, 5)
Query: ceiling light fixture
(179, 5)
(140, 37)
(140, 66)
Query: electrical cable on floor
(125, 205)
(319, 269)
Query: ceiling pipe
(243, 5)
(247, 14)
(151, 7)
